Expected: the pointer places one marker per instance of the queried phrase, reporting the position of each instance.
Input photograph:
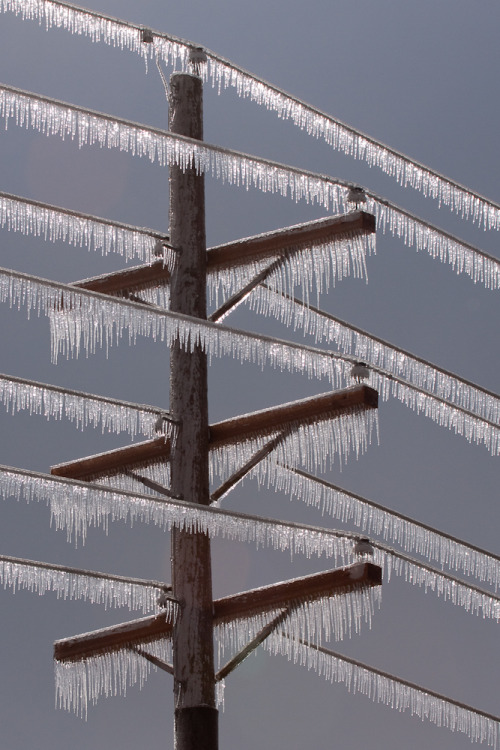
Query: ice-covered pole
(196, 716)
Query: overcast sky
(422, 78)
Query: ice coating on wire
(81, 317)
(69, 584)
(224, 74)
(83, 409)
(390, 691)
(57, 224)
(52, 117)
(87, 505)
(361, 346)
(445, 398)
(373, 519)
(55, 118)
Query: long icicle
(84, 409)
(77, 505)
(382, 687)
(235, 168)
(224, 74)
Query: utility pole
(192, 631)
(196, 717)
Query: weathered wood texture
(194, 676)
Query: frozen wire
(73, 583)
(52, 117)
(84, 409)
(77, 505)
(391, 691)
(82, 230)
(224, 74)
(81, 317)
(384, 359)
(375, 519)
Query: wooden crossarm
(295, 412)
(235, 253)
(297, 591)
(230, 430)
(270, 244)
(265, 598)
(106, 463)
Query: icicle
(381, 687)
(83, 409)
(69, 583)
(81, 682)
(57, 224)
(373, 519)
(224, 74)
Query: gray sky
(422, 78)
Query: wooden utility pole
(192, 629)
(196, 716)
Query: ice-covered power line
(372, 518)
(54, 224)
(77, 505)
(88, 127)
(224, 74)
(382, 687)
(73, 583)
(84, 409)
(386, 363)
(89, 319)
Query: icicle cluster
(428, 390)
(315, 445)
(388, 690)
(53, 118)
(86, 318)
(56, 224)
(334, 617)
(75, 506)
(83, 409)
(374, 519)
(224, 74)
(306, 266)
(414, 232)
(109, 591)
(79, 683)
